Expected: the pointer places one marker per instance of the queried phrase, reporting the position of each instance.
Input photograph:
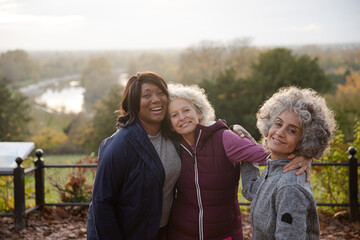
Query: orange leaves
(77, 189)
(351, 88)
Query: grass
(62, 159)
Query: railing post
(19, 195)
(39, 179)
(353, 184)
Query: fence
(19, 187)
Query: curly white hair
(197, 98)
(317, 120)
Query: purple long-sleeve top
(239, 149)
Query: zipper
(198, 193)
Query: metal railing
(19, 187)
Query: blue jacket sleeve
(107, 185)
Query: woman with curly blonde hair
(292, 121)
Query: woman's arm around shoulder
(241, 149)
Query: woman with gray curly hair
(292, 121)
(206, 205)
(317, 120)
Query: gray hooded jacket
(283, 205)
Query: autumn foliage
(346, 105)
(77, 188)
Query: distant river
(62, 94)
(68, 99)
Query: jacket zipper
(198, 193)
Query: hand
(298, 161)
(239, 130)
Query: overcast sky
(157, 24)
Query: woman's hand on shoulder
(299, 162)
(239, 130)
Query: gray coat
(283, 205)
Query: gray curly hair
(317, 120)
(197, 98)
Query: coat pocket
(263, 224)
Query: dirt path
(56, 223)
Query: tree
(279, 68)
(231, 101)
(103, 123)
(14, 113)
(50, 139)
(346, 104)
(97, 78)
(209, 58)
(204, 61)
(352, 59)
(17, 66)
(237, 100)
(164, 63)
(239, 56)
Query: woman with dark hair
(137, 168)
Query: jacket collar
(202, 133)
(208, 131)
(143, 146)
(276, 165)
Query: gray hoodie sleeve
(296, 214)
(250, 175)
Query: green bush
(331, 183)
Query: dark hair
(130, 103)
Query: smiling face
(284, 135)
(153, 107)
(184, 119)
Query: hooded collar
(202, 133)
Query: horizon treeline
(237, 77)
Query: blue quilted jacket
(127, 194)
